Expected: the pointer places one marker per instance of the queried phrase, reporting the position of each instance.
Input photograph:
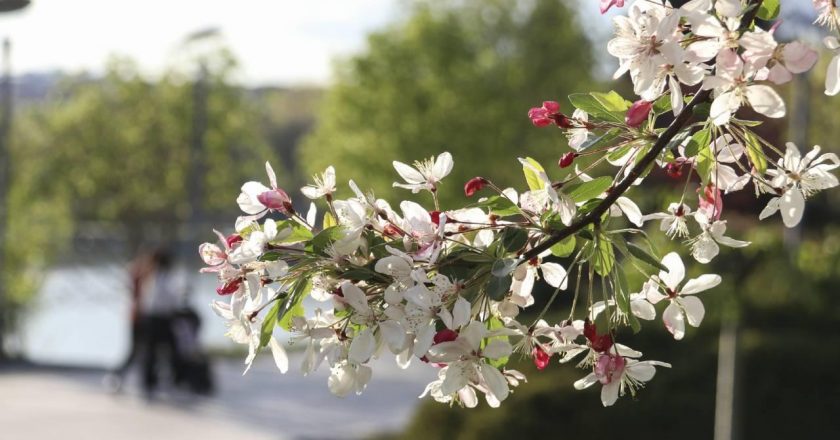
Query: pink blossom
(607, 4)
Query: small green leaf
(769, 10)
(603, 257)
(498, 287)
(535, 182)
(698, 141)
(499, 205)
(513, 239)
(322, 240)
(564, 248)
(601, 141)
(662, 105)
(756, 153)
(298, 232)
(269, 321)
(606, 106)
(642, 255)
(504, 267)
(494, 323)
(296, 310)
(589, 190)
(329, 221)
(622, 292)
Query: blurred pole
(195, 177)
(5, 169)
(725, 388)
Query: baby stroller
(191, 366)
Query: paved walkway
(69, 405)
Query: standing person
(139, 271)
(160, 298)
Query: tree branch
(617, 191)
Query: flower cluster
(446, 287)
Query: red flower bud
(232, 239)
(230, 287)
(599, 343)
(445, 335)
(674, 170)
(545, 115)
(567, 159)
(638, 113)
(551, 106)
(473, 185)
(435, 217)
(276, 199)
(540, 357)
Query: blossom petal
(586, 382)
(281, 359)
(699, 284)
(832, 77)
(694, 310)
(443, 165)
(609, 392)
(792, 205)
(555, 275)
(362, 347)
(766, 101)
(674, 320)
(495, 381)
(408, 173)
(676, 270)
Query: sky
(280, 42)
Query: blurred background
(127, 126)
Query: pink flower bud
(551, 106)
(232, 239)
(567, 159)
(276, 199)
(229, 287)
(545, 115)
(473, 185)
(638, 113)
(540, 357)
(435, 215)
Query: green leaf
(564, 248)
(329, 221)
(622, 292)
(642, 255)
(662, 105)
(498, 287)
(605, 106)
(322, 240)
(297, 309)
(494, 323)
(269, 321)
(603, 257)
(769, 10)
(294, 303)
(503, 267)
(589, 190)
(601, 141)
(756, 153)
(698, 141)
(298, 233)
(535, 182)
(513, 238)
(499, 205)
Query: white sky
(276, 42)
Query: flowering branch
(445, 286)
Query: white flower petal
(555, 275)
(674, 320)
(694, 310)
(766, 101)
(281, 359)
(699, 284)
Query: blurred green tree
(456, 77)
(117, 149)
